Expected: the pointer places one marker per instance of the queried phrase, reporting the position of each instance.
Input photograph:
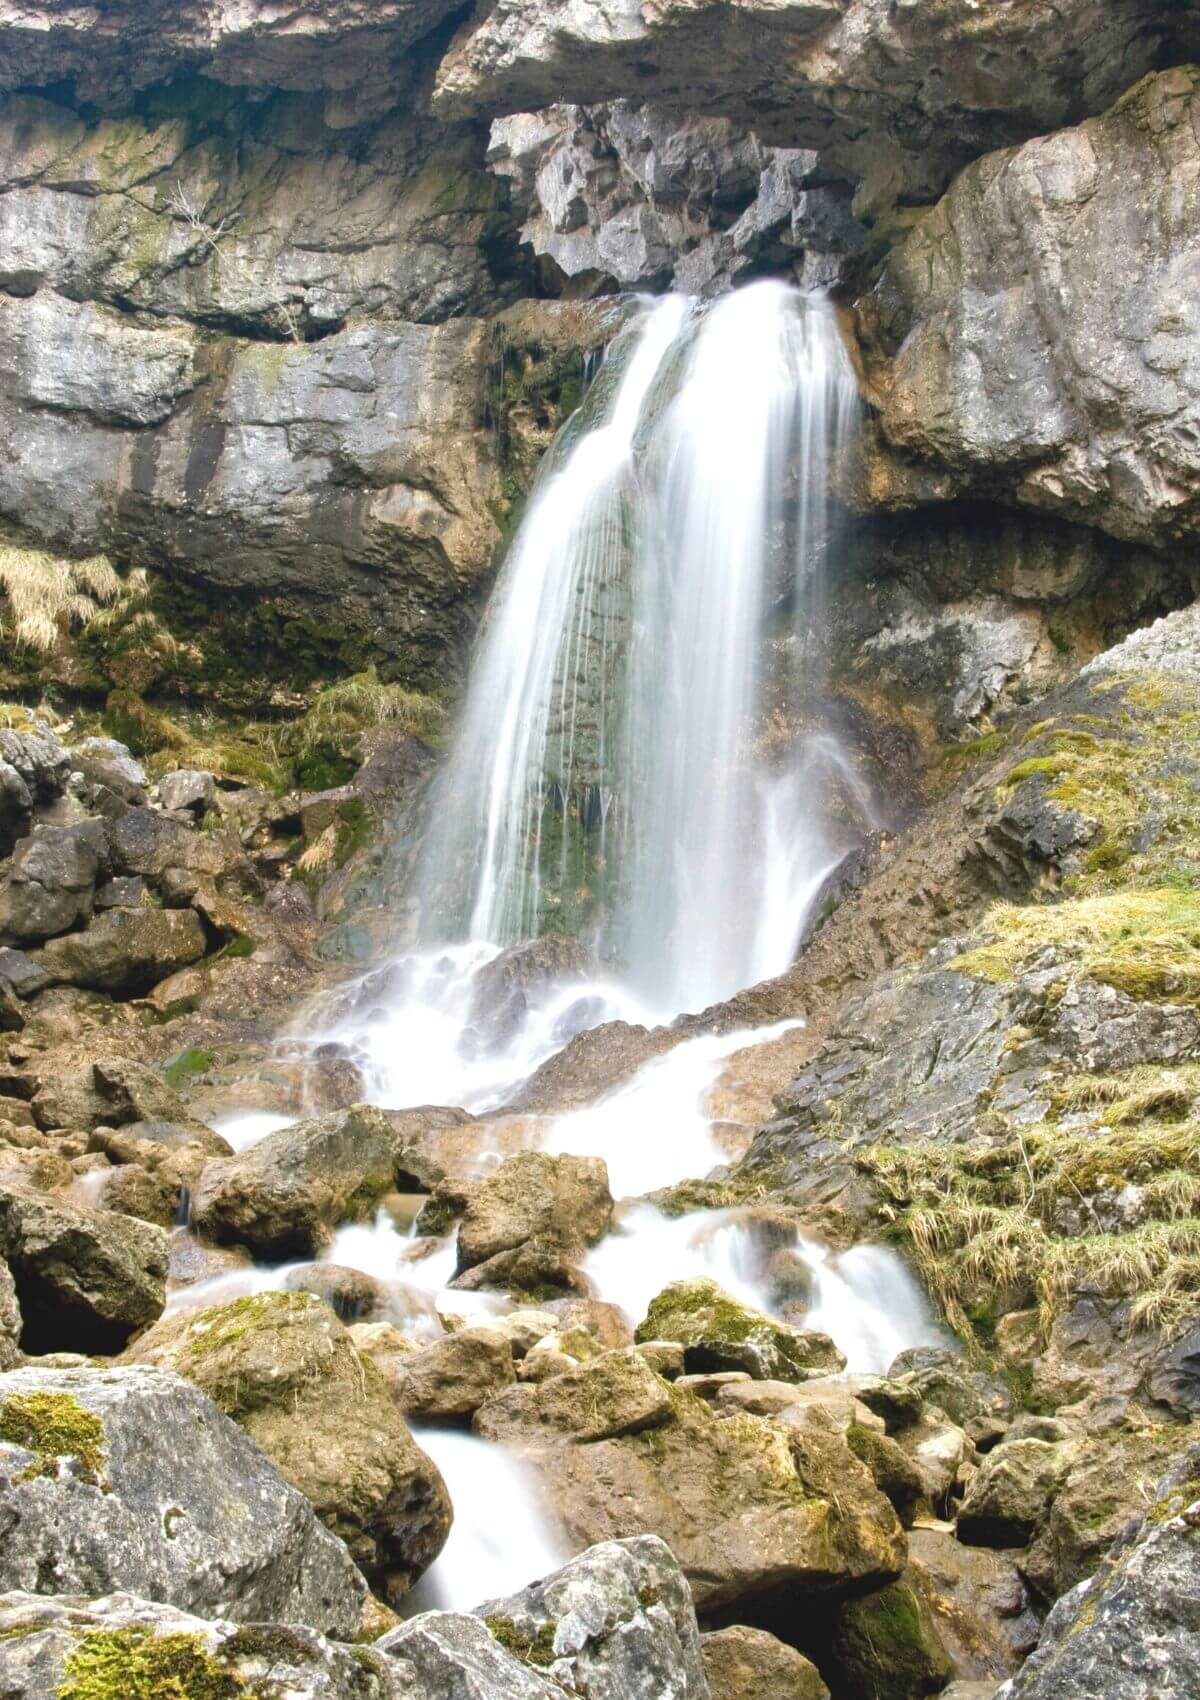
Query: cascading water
(638, 763)
(610, 771)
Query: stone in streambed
(85, 1279)
(452, 1377)
(284, 1368)
(131, 1479)
(717, 1333)
(562, 1202)
(283, 1197)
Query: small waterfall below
(633, 763)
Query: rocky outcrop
(1131, 1629)
(892, 96)
(634, 197)
(1025, 354)
(96, 1500)
(283, 1367)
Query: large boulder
(125, 951)
(750, 1509)
(453, 1376)
(718, 1333)
(1011, 1492)
(132, 1479)
(141, 1650)
(1026, 354)
(283, 1197)
(1131, 1630)
(85, 1279)
(284, 1368)
(886, 1646)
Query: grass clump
(47, 594)
(354, 705)
(998, 1221)
(1144, 943)
(54, 1426)
(133, 1664)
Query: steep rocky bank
(292, 304)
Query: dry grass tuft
(48, 593)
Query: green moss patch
(54, 1426)
(132, 1664)
(532, 1645)
(188, 1064)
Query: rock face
(49, 1645)
(283, 1367)
(1130, 1630)
(890, 95)
(85, 1279)
(132, 1479)
(639, 198)
(1035, 359)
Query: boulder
(1009, 1495)
(892, 1470)
(454, 1376)
(51, 884)
(1130, 1631)
(747, 1507)
(555, 1205)
(131, 1190)
(351, 1294)
(125, 951)
(141, 1650)
(130, 1479)
(85, 1279)
(984, 1612)
(718, 1333)
(617, 1620)
(284, 1368)
(886, 1646)
(748, 1664)
(283, 1197)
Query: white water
(613, 759)
(622, 691)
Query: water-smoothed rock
(718, 1333)
(85, 1279)
(284, 1368)
(130, 1479)
(284, 1196)
(120, 1644)
(1036, 359)
(1130, 1631)
(750, 1509)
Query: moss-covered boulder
(886, 1646)
(1010, 1494)
(283, 1197)
(126, 1648)
(892, 1470)
(130, 1480)
(717, 1333)
(284, 1368)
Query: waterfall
(633, 763)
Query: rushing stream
(634, 766)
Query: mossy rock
(717, 1333)
(55, 1428)
(134, 1664)
(886, 1647)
